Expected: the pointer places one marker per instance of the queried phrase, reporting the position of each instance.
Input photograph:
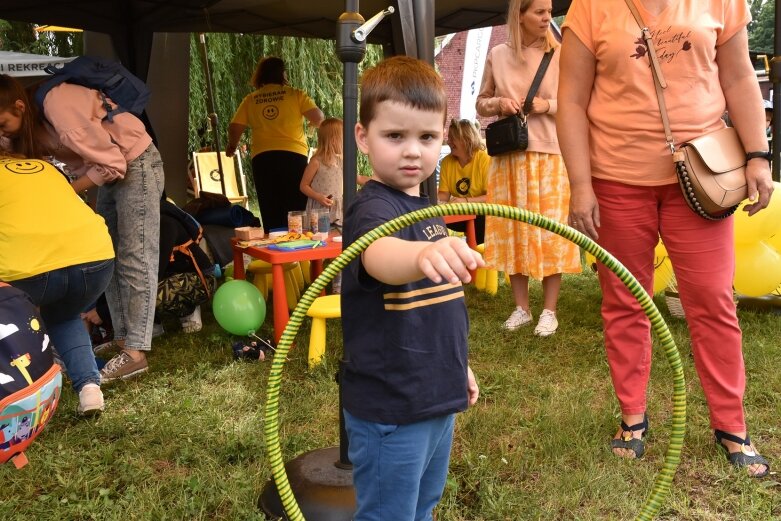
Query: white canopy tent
(21, 64)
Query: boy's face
(403, 145)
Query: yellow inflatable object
(757, 269)
(663, 268)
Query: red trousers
(703, 257)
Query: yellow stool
(486, 279)
(306, 267)
(261, 271)
(322, 308)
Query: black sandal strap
(721, 435)
(643, 425)
(741, 458)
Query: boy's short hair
(405, 80)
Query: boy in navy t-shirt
(405, 372)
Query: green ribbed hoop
(661, 486)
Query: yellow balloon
(763, 224)
(746, 228)
(663, 268)
(774, 242)
(757, 269)
(591, 261)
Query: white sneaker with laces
(519, 317)
(547, 324)
(90, 400)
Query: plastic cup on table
(295, 221)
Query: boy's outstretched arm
(396, 261)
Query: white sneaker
(518, 318)
(192, 322)
(90, 400)
(547, 324)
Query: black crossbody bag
(512, 133)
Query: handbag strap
(659, 83)
(527, 105)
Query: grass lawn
(186, 440)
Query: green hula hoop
(661, 486)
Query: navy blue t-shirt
(405, 347)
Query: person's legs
(703, 257)
(548, 323)
(61, 294)
(277, 177)
(132, 292)
(432, 483)
(551, 285)
(521, 316)
(629, 231)
(399, 471)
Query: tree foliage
(22, 37)
(312, 65)
(762, 28)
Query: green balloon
(239, 307)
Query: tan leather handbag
(712, 173)
(711, 168)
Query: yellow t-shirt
(470, 180)
(626, 134)
(275, 113)
(44, 225)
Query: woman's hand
(584, 210)
(539, 105)
(508, 107)
(760, 185)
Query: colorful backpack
(30, 381)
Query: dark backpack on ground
(179, 292)
(110, 78)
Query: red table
(276, 258)
(471, 236)
(331, 250)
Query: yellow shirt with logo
(44, 225)
(275, 113)
(466, 181)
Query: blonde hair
(467, 132)
(516, 30)
(329, 142)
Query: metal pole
(213, 108)
(350, 53)
(775, 78)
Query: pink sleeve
(487, 103)
(76, 114)
(578, 20)
(734, 17)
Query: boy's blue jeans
(62, 295)
(399, 471)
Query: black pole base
(324, 492)
(767, 303)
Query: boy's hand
(450, 259)
(471, 386)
